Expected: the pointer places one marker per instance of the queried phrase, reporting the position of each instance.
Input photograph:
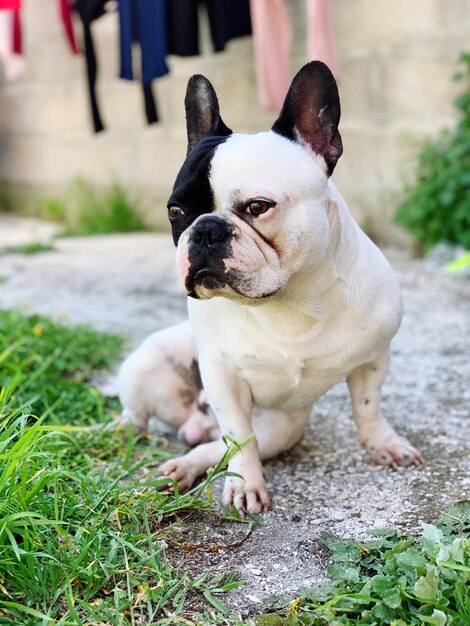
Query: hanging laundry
(10, 5)
(65, 10)
(10, 39)
(89, 11)
(228, 19)
(272, 44)
(144, 22)
(320, 40)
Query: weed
(393, 580)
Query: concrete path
(326, 484)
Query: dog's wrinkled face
(248, 211)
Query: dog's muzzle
(208, 246)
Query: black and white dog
(287, 295)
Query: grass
(34, 247)
(87, 210)
(85, 526)
(81, 527)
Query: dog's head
(248, 211)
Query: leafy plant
(436, 206)
(393, 580)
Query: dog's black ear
(202, 111)
(311, 112)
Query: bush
(436, 206)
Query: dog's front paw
(390, 449)
(247, 496)
(180, 470)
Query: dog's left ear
(202, 111)
(311, 112)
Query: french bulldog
(287, 296)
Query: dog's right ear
(311, 113)
(202, 111)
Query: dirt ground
(326, 484)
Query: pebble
(254, 599)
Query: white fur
(336, 310)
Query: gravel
(326, 484)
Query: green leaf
(426, 586)
(215, 602)
(432, 535)
(438, 618)
(411, 560)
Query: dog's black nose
(210, 232)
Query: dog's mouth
(206, 278)
(206, 283)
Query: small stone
(255, 571)
(379, 522)
(254, 599)
(338, 515)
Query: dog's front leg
(385, 446)
(230, 398)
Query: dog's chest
(286, 379)
(287, 360)
(291, 370)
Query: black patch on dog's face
(192, 191)
(209, 245)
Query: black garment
(228, 19)
(90, 10)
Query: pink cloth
(272, 33)
(272, 40)
(320, 41)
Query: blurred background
(394, 61)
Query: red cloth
(17, 33)
(12, 5)
(65, 9)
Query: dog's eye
(175, 211)
(258, 207)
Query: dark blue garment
(143, 22)
(228, 19)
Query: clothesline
(164, 27)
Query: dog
(287, 296)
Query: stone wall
(396, 62)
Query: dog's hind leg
(385, 446)
(161, 378)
